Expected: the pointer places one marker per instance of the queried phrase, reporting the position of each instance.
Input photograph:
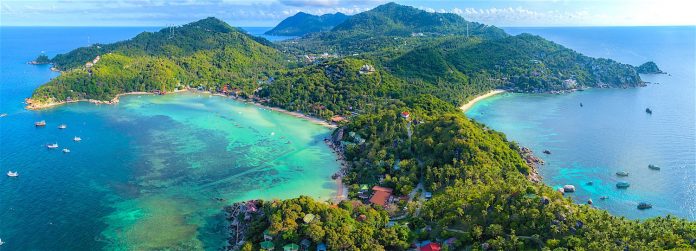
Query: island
(41, 59)
(649, 68)
(392, 79)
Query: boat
(580, 104)
(76, 138)
(648, 111)
(40, 123)
(52, 146)
(622, 173)
(66, 150)
(653, 167)
(622, 185)
(603, 198)
(12, 174)
(644, 205)
(547, 152)
(3, 115)
(1, 242)
(62, 126)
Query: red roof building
(430, 247)
(381, 195)
(405, 114)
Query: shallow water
(149, 171)
(612, 132)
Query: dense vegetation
(303, 23)
(481, 192)
(348, 226)
(649, 68)
(208, 54)
(41, 59)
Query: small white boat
(62, 126)
(52, 146)
(76, 138)
(12, 174)
(1, 242)
(66, 150)
(2, 115)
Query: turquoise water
(149, 171)
(612, 132)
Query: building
(405, 114)
(381, 195)
(430, 247)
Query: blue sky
(270, 12)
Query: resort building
(381, 195)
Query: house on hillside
(381, 195)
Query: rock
(589, 201)
(560, 189)
(569, 188)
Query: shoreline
(311, 119)
(115, 100)
(489, 94)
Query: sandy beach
(471, 103)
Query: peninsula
(393, 78)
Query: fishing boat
(644, 205)
(622, 173)
(622, 185)
(653, 167)
(52, 146)
(12, 174)
(76, 138)
(62, 126)
(66, 150)
(40, 123)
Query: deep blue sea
(150, 171)
(612, 132)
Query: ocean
(151, 172)
(611, 132)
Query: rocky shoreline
(533, 162)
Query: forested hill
(398, 20)
(525, 63)
(303, 23)
(206, 34)
(390, 26)
(206, 54)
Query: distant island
(303, 23)
(649, 68)
(392, 79)
(41, 59)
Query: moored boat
(52, 146)
(40, 123)
(12, 174)
(622, 173)
(62, 126)
(622, 185)
(653, 167)
(76, 138)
